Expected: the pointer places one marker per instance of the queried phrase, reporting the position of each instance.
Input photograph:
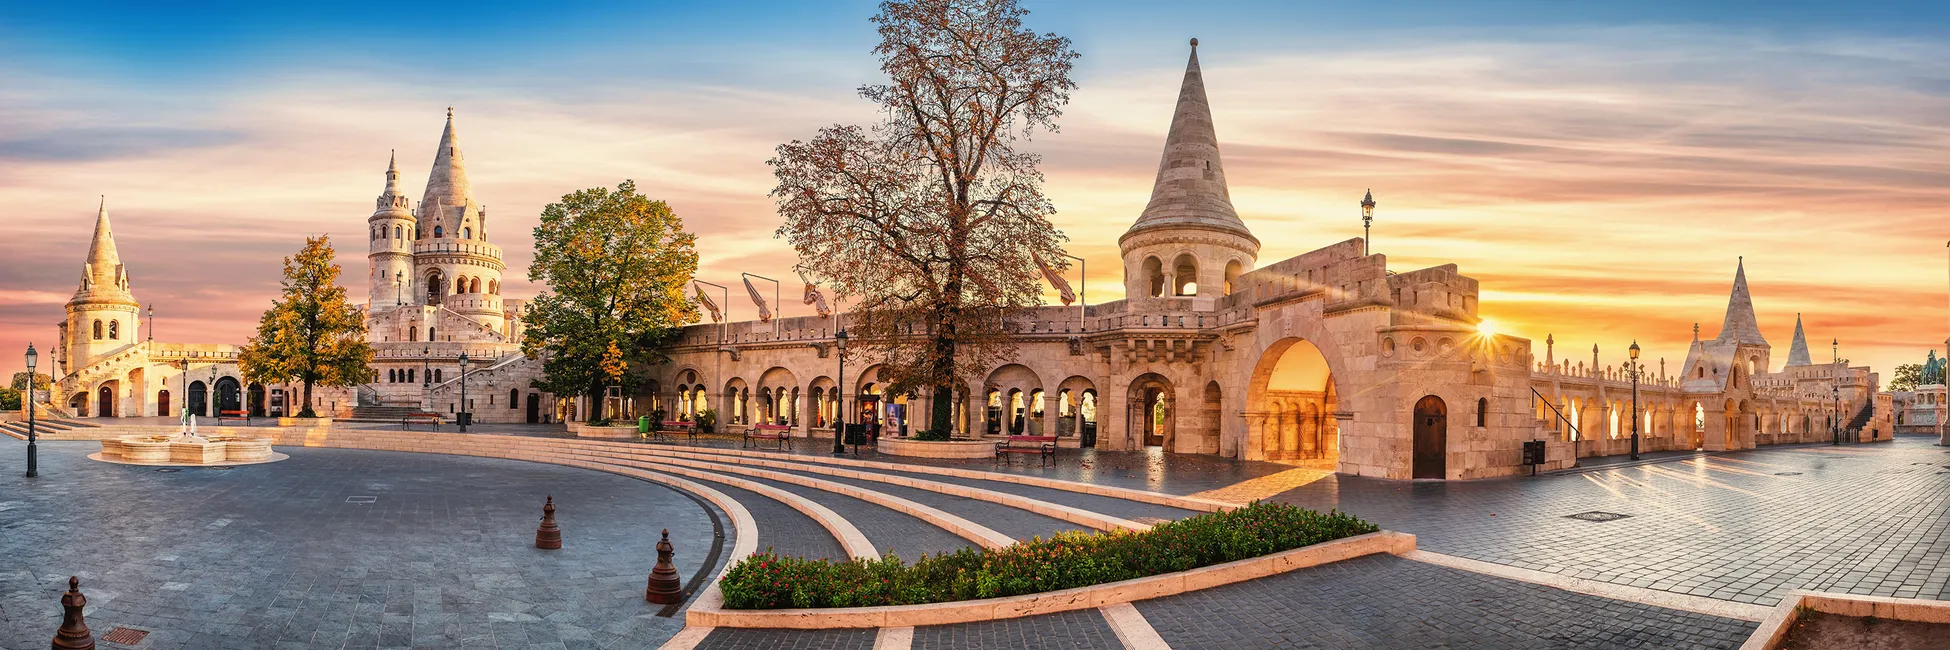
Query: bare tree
(927, 221)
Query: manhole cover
(168, 470)
(1787, 473)
(1597, 516)
(223, 467)
(361, 499)
(125, 636)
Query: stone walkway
(1741, 528)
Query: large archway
(105, 400)
(198, 401)
(1431, 426)
(1291, 403)
(1152, 417)
(230, 395)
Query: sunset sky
(1599, 170)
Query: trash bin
(464, 418)
(643, 424)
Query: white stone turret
(455, 265)
(389, 255)
(1189, 242)
(103, 316)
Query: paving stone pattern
(1870, 519)
(1008, 520)
(726, 638)
(782, 528)
(1381, 601)
(888, 530)
(273, 556)
(1077, 630)
(1112, 506)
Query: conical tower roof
(102, 276)
(1740, 325)
(390, 204)
(1798, 352)
(1190, 191)
(448, 191)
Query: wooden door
(534, 408)
(1431, 438)
(105, 403)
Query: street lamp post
(1367, 218)
(1835, 388)
(465, 413)
(839, 434)
(1635, 400)
(426, 378)
(33, 453)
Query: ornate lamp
(33, 453)
(839, 434)
(1367, 218)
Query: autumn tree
(41, 381)
(310, 334)
(1906, 377)
(928, 222)
(615, 264)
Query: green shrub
(1070, 559)
(931, 435)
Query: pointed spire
(1798, 352)
(102, 278)
(448, 191)
(1190, 190)
(1740, 325)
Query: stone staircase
(18, 429)
(1861, 419)
(382, 413)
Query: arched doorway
(79, 404)
(534, 415)
(1291, 404)
(1431, 438)
(162, 403)
(199, 399)
(105, 401)
(230, 396)
(257, 400)
(1153, 416)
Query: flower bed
(1072, 559)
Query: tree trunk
(595, 405)
(307, 413)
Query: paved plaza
(288, 554)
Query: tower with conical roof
(389, 255)
(1188, 242)
(455, 265)
(1740, 330)
(103, 316)
(1798, 351)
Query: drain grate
(125, 636)
(361, 499)
(168, 470)
(223, 467)
(1787, 473)
(1597, 515)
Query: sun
(1486, 328)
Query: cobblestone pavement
(274, 556)
(1382, 601)
(1869, 519)
(727, 638)
(889, 531)
(1078, 630)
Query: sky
(1600, 170)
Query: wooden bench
(667, 427)
(226, 416)
(1042, 445)
(779, 432)
(429, 418)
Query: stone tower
(1798, 351)
(390, 253)
(1189, 242)
(457, 267)
(103, 315)
(1740, 330)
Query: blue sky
(1599, 166)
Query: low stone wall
(936, 449)
(1773, 631)
(582, 430)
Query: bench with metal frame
(226, 416)
(779, 432)
(1044, 446)
(429, 418)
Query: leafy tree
(928, 222)
(10, 399)
(41, 381)
(615, 263)
(310, 334)
(1906, 377)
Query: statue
(1933, 368)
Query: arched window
(390, 378)
(439, 231)
(1482, 411)
(474, 285)
(1184, 276)
(494, 287)
(1233, 269)
(413, 333)
(430, 336)
(115, 329)
(396, 232)
(98, 330)
(514, 395)
(436, 375)
(1702, 372)
(466, 233)
(1154, 277)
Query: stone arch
(1184, 275)
(1076, 406)
(1430, 458)
(1206, 439)
(198, 400)
(1017, 386)
(1153, 272)
(823, 401)
(775, 388)
(436, 285)
(1233, 271)
(229, 395)
(733, 403)
(107, 394)
(1290, 403)
(1152, 413)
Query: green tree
(310, 334)
(41, 381)
(1906, 377)
(930, 221)
(615, 264)
(10, 399)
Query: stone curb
(1774, 630)
(1091, 597)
